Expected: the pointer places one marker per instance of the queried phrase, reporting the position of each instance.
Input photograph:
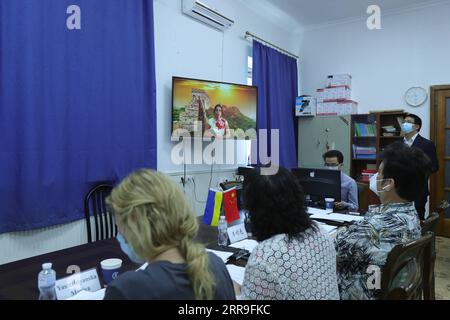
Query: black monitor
(319, 184)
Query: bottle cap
(47, 265)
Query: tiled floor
(442, 268)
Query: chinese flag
(230, 205)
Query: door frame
(435, 134)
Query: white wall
(411, 49)
(188, 48)
(184, 47)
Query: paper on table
(246, 244)
(87, 295)
(337, 217)
(236, 273)
(221, 254)
(345, 217)
(319, 211)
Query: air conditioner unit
(200, 11)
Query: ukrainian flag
(213, 206)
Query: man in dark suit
(410, 128)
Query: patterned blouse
(297, 270)
(362, 248)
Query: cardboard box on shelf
(337, 108)
(337, 93)
(339, 80)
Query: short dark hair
(334, 154)
(409, 167)
(218, 106)
(416, 118)
(276, 205)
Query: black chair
(404, 272)
(95, 206)
(430, 225)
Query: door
(440, 134)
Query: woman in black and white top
(295, 259)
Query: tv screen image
(213, 109)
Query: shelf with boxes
(336, 98)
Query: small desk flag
(212, 209)
(230, 205)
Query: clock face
(416, 96)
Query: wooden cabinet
(370, 134)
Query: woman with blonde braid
(156, 225)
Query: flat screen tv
(206, 109)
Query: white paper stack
(246, 244)
(236, 273)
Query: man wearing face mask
(333, 160)
(364, 246)
(410, 128)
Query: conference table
(19, 279)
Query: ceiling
(296, 14)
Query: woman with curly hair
(295, 258)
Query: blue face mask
(128, 250)
(407, 127)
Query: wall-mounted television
(206, 109)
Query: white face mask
(373, 185)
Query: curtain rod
(250, 35)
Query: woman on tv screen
(217, 126)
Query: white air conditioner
(200, 11)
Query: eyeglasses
(331, 164)
(405, 121)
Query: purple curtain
(77, 106)
(275, 75)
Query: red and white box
(334, 93)
(339, 80)
(337, 93)
(337, 108)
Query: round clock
(416, 96)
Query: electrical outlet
(189, 179)
(221, 180)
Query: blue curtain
(275, 75)
(77, 106)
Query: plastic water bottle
(222, 230)
(248, 225)
(46, 282)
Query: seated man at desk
(334, 160)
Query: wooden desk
(18, 280)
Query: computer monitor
(319, 184)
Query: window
(249, 70)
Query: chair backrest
(95, 206)
(430, 224)
(403, 274)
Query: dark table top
(18, 280)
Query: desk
(18, 280)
